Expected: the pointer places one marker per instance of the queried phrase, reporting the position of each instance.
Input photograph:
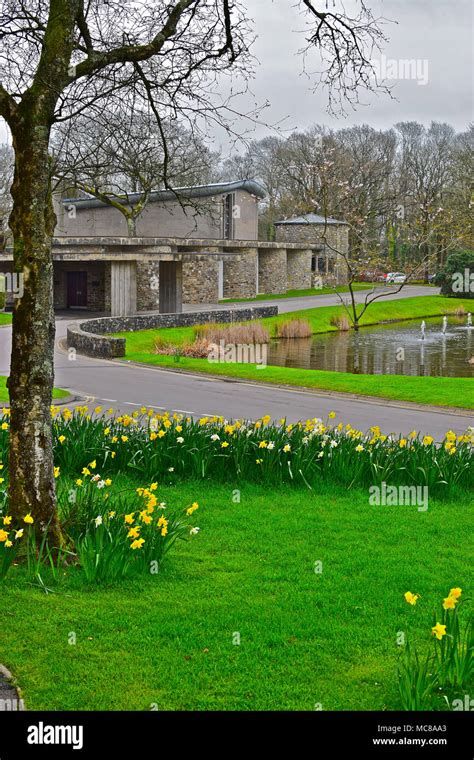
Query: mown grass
(305, 638)
(437, 391)
(299, 293)
(5, 398)
(319, 318)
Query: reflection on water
(395, 349)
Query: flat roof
(311, 219)
(196, 191)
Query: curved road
(126, 386)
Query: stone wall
(90, 337)
(272, 270)
(337, 235)
(337, 239)
(240, 274)
(148, 278)
(299, 269)
(201, 281)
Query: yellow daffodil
(28, 519)
(3, 535)
(439, 631)
(455, 592)
(19, 533)
(62, 438)
(129, 518)
(449, 603)
(133, 532)
(411, 598)
(7, 520)
(137, 544)
(56, 472)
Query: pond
(393, 349)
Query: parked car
(395, 278)
(372, 277)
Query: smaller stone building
(312, 229)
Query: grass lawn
(299, 293)
(4, 397)
(306, 638)
(5, 318)
(438, 391)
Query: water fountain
(445, 325)
(423, 328)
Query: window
(228, 216)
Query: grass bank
(172, 639)
(5, 398)
(437, 391)
(299, 293)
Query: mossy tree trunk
(31, 379)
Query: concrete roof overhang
(157, 249)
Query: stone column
(299, 268)
(272, 270)
(148, 277)
(171, 287)
(201, 279)
(123, 288)
(240, 274)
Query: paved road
(312, 302)
(126, 387)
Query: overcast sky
(439, 32)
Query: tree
(6, 178)
(64, 57)
(121, 155)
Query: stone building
(313, 229)
(194, 245)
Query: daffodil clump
(156, 445)
(116, 532)
(447, 668)
(11, 539)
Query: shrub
(341, 322)
(294, 328)
(456, 278)
(197, 350)
(249, 333)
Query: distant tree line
(406, 192)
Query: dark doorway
(77, 290)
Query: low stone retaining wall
(90, 337)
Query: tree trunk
(32, 486)
(132, 226)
